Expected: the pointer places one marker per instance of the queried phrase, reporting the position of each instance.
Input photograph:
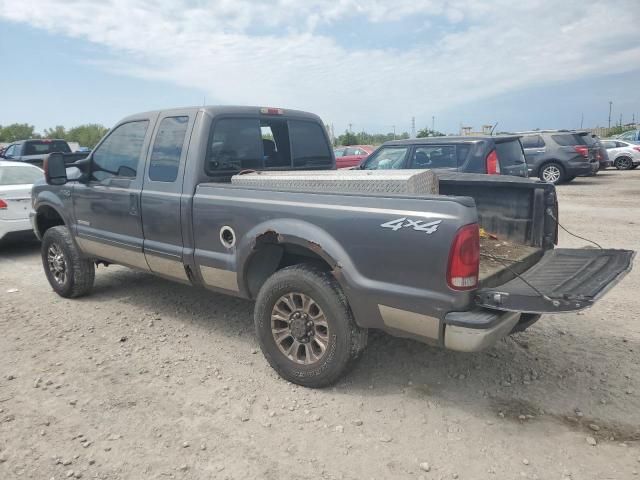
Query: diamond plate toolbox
(396, 182)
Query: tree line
(364, 138)
(87, 135)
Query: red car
(352, 156)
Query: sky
(369, 63)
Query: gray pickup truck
(459, 268)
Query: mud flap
(565, 279)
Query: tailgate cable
(555, 303)
(550, 213)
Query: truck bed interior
(512, 213)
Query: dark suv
(559, 156)
(500, 155)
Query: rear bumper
(21, 226)
(577, 169)
(478, 329)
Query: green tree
(348, 138)
(87, 135)
(427, 132)
(17, 131)
(57, 132)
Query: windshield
(386, 158)
(18, 175)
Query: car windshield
(19, 175)
(386, 158)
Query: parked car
(592, 140)
(16, 180)
(34, 151)
(558, 156)
(493, 155)
(629, 136)
(352, 156)
(625, 155)
(323, 267)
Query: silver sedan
(16, 180)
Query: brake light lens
(582, 150)
(271, 111)
(464, 259)
(3, 205)
(637, 149)
(493, 165)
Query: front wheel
(623, 163)
(68, 273)
(305, 327)
(552, 173)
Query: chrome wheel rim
(57, 264)
(551, 174)
(299, 328)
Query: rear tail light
(582, 150)
(493, 166)
(637, 149)
(3, 205)
(464, 259)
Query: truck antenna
(494, 127)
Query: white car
(16, 180)
(624, 155)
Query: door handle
(133, 204)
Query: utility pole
(433, 123)
(581, 120)
(620, 119)
(352, 124)
(413, 127)
(610, 105)
(394, 131)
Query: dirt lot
(146, 379)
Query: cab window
(167, 149)
(119, 154)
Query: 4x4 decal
(417, 225)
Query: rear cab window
(167, 149)
(44, 147)
(266, 143)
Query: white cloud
(213, 46)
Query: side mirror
(55, 171)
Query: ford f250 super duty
(325, 257)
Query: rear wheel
(305, 327)
(552, 173)
(68, 273)
(623, 163)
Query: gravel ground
(146, 379)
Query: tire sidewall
(54, 236)
(337, 356)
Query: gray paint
(393, 279)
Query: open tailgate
(565, 279)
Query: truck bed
(500, 259)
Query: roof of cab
(214, 110)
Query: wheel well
(270, 256)
(626, 157)
(46, 218)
